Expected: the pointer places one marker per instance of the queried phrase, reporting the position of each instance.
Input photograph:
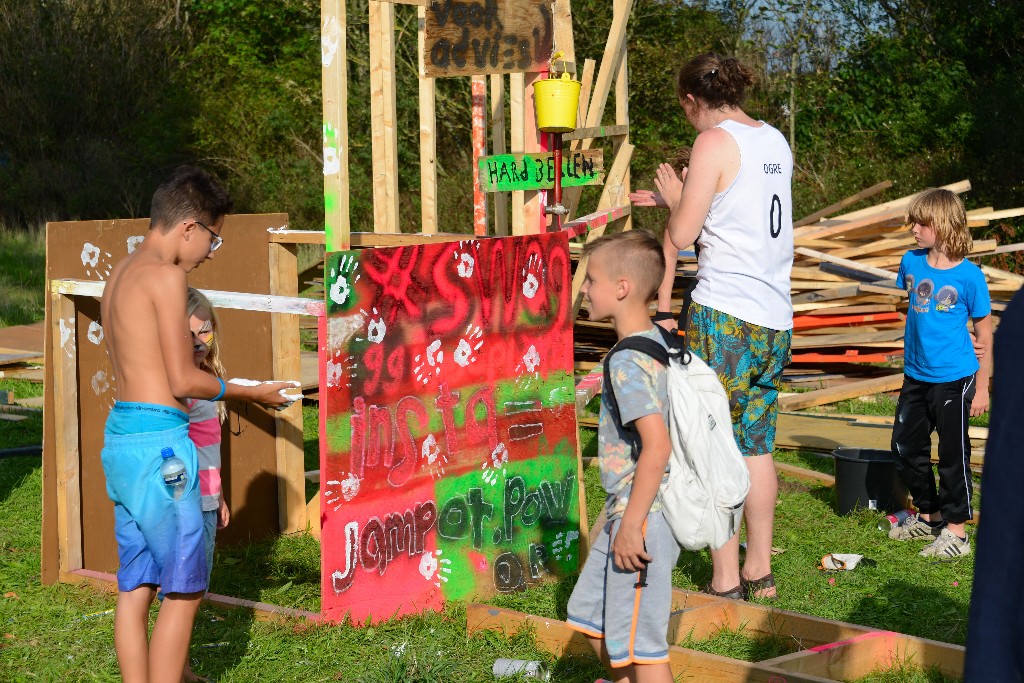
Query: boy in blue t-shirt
(944, 383)
(623, 597)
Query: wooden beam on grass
(63, 333)
(262, 611)
(334, 75)
(383, 117)
(859, 656)
(843, 203)
(876, 385)
(805, 474)
(559, 639)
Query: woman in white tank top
(735, 203)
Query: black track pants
(925, 407)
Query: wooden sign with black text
(507, 172)
(464, 38)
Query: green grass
(64, 632)
(22, 276)
(27, 432)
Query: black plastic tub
(866, 478)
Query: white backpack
(708, 480)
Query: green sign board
(505, 172)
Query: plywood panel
(89, 250)
(448, 461)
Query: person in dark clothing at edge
(995, 628)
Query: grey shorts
(607, 602)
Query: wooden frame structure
(268, 486)
(291, 479)
(828, 651)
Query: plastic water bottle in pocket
(172, 469)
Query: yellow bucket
(557, 100)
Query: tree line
(102, 97)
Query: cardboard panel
(448, 445)
(88, 250)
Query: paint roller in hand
(291, 398)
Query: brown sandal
(736, 593)
(753, 586)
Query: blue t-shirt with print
(640, 384)
(937, 345)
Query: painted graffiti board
(506, 172)
(448, 434)
(464, 38)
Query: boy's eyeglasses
(215, 239)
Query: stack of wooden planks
(848, 313)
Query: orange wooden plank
(813, 321)
(850, 356)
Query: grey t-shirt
(640, 384)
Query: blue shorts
(160, 540)
(607, 602)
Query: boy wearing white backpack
(623, 596)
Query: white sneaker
(914, 529)
(947, 546)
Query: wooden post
(334, 61)
(613, 51)
(622, 118)
(383, 115)
(498, 146)
(291, 482)
(517, 112)
(586, 83)
(534, 220)
(479, 95)
(428, 140)
(63, 321)
(612, 195)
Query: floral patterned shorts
(749, 360)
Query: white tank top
(746, 246)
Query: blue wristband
(223, 388)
